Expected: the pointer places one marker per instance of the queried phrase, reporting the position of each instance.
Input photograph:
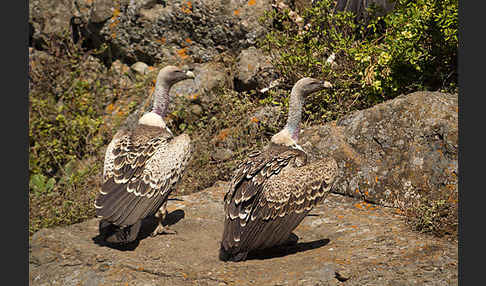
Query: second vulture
(273, 190)
(142, 165)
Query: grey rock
(50, 17)
(358, 7)
(196, 109)
(184, 31)
(268, 115)
(39, 256)
(119, 68)
(140, 67)
(395, 152)
(253, 70)
(222, 154)
(101, 11)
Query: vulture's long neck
(161, 99)
(159, 108)
(296, 104)
(289, 135)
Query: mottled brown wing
(281, 201)
(143, 171)
(247, 190)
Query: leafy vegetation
(67, 132)
(413, 48)
(437, 216)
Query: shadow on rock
(148, 225)
(287, 249)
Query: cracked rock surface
(340, 243)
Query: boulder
(50, 17)
(140, 67)
(358, 7)
(253, 70)
(395, 152)
(183, 31)
(339, 242)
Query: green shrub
(66, 102)
(435, 216)
(412, 48)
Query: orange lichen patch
(399, 211)
(89, 2)
(452, 199)
(189, 41)
(340, 216)
(364, 206)
(193, 96)
(187, 7)
(251, 2)
(376, 179)
(182, 53)
(120, 113)
(354, 226)
(109, 108)
(161, 40)
(184, 275)
(250, 67)
(236, 12)
(342, 261)
(116, 13)
(140, 268)
(223, 134)
(366, 193)
(254, 120)
(357, 191)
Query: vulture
(143, 163)
(271, 191)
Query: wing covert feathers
(270, 194)
(141, 168)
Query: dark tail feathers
(119, 235)
(225, 255)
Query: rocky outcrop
(395, 152)
(358, 7)
(342, 242)
(182, 31)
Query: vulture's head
(170, 75)
(308, 85)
